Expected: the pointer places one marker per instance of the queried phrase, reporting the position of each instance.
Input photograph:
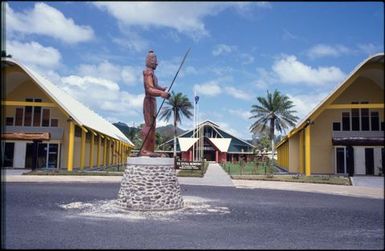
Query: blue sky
(239, 50)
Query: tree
(178, 105)
(273, 112)
(4, 55)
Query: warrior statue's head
(151, 60)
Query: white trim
(186, 143)
(222, 144)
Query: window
(375, 121)
(36, 116)
(54, 123)
(28, 113)
(355, 118)
(382, 126)
(364, 118)
(28, 116)
(37, 113)
(78, 131)
(336, 126)
(9, 121)
(45, 121)
(52, 155)
(19, 117)
(346, 121)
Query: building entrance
(41, 155)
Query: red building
(208, 141)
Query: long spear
(172, 83)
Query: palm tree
(178, 105)
(273, 112)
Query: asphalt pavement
(83, 216)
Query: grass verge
(320, 179)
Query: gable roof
(82, 115)
(334, 94)
(215, 126)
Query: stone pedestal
(150, 184)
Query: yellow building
(344, 134)
(44, 127)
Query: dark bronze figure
(152, 90)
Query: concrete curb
(63, 178)
(369, 192)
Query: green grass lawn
(251, 168)
(262, 171)
(320, 179)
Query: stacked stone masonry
(150, 185)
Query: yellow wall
(321, 131)
(27, 88)
(283, 155)
(294, 153)
(322, 153)
(373, 92)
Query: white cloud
(305, 103)
(131, 40)
(184, 17)
(237, 93)
(106, 70)
(209, 89)
(369, 49)
(34, 53)
(265, 78)
(102, 95)
(221, 49)
(289, 70)
(156, 14)
(46, 20)
(323, 50)
(88, 82)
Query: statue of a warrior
(152, 90)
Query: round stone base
(150, 184)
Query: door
(350, 160)
(9, 149)
(369, 161)
(340, 159)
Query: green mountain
(132, 133)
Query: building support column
(109, 152)
(301, 153)
(82, 149)
(71, 140)
(307, 151)
(98, 150)
(105, 152)
(216, 156)
(92, 150)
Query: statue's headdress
(151, 59)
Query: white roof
(221, 143)
(81, 114)
(186, 143)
